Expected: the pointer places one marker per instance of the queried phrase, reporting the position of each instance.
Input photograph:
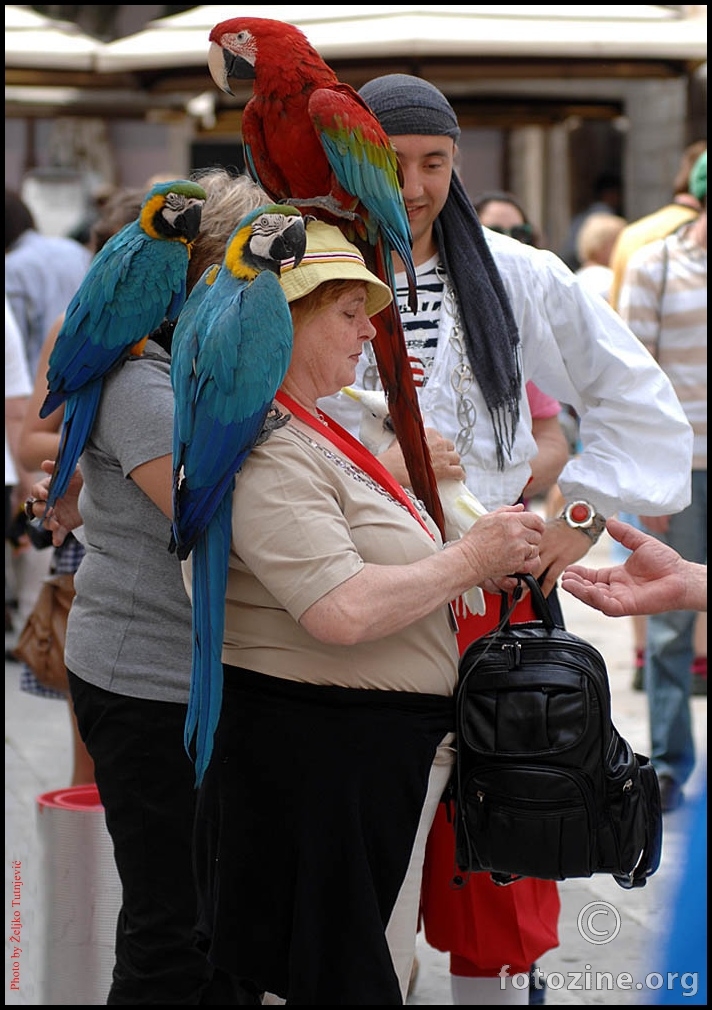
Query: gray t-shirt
(129, 629)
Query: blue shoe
(537, 986)
(670, 793)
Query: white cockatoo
(460, 507)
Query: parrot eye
(174, 201)
(243, 44)
(268, 223)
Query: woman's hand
(65, 514)
(503, 542)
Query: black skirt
(305, 825)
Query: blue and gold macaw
(134, 283)
(231, 350)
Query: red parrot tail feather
(397, 379)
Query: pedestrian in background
(682, 208)
(42, 274)
(607, 199)
(18, 387)
(39, 440)
(503, 212)
(594, 246)
(664, 301)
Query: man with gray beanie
(492, 314)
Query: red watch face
(580, 513)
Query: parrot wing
(223, 394)
(136, 280)
(131, 286)
(184, 350)
(234, 348)
(239, 367)
(365, 165)
(233, 344)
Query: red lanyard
(355, 451)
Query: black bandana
(410, 105)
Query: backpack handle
(539, 604)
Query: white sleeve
(636, 441)
(18, 381)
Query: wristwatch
(581, 515)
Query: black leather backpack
(544, 785)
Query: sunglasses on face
(521, 232)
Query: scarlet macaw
(135, 282)
(310, 139)
(231, 350)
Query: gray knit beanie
(407, 105)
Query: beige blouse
(304, 521)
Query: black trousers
(146, 783)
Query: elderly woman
(340, 660)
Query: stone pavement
(37, 759)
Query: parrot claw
(275, 419)
(325, 203)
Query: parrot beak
(188, 223)
(291, 243)
(224, 66)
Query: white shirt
(636, 441)
(17, 380)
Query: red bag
(484, 926)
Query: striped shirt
(421, 330)
(664, 301)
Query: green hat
(698, 177)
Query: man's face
(427, 167)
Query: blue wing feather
(134, 281)
(241, 339)
(79, 416)
(231, 350)
(209, 588)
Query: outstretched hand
(653, 579)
